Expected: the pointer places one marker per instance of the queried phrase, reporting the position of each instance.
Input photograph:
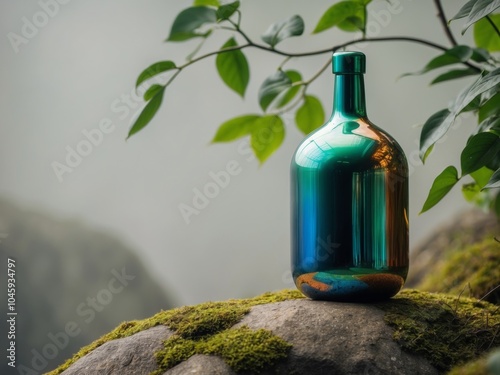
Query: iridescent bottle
(349, 197)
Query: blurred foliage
(286, 91)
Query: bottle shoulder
(349, 142)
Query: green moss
(476, 367)
(445, 329)
(203, 329)
(190, 323)
(176, 350)
(473, 270)
(243, 349)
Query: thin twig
(493, 25)
(332, 49)
(444, 23)
(291, 106)
(491, 291)
(250, 43)
(351, 42)
(319, 72)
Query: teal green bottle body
(349, 201)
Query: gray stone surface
(335, 338)
(202, 365)
(128, 356)
(327, 337)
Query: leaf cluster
(480, 157)
(282, 91)
(286, 91)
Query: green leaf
(147, 113)
(480, 9)
(338, 13)
(155, 69)
(152, 91)
(480, 151)
(489, 108)
(483, 84)
(481, 176)
(488, 94)
(480, 55)
(354, 23)
(188, 21)
(272, 87)
(214, 3)
(227, 10)
(285, 98)
(461, 52)
(233, 68)
(281, 30)
(473, 194)
(454, 74)
(470, 192)
(267, 136)
(357, 22)
(434, 128)
(494, 182)
(491, 123)
(484, 34)
(235, 128)
(439, 123)
(465, 10)
(427, 153)
(474, 105)
(440, 187)
(310, 115)
(455, 55)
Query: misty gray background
(66, 78)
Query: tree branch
(332, 49)
(493, 25)
(346, 44)
(335, 48)
(319, 72)
(442, 19)
(314, 53)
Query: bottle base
(349, 288)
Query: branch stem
(318, 73)
(332, 49)
(351, 42)
(444, 23)
(493, 25)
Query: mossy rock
(465, 229)
(204, 328)
(485, 365)
(285, 333)
(471, 271)
(445, 329)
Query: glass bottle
(349, 200)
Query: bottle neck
(349, 96)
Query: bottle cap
(348, 63)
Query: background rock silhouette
(59, 265)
